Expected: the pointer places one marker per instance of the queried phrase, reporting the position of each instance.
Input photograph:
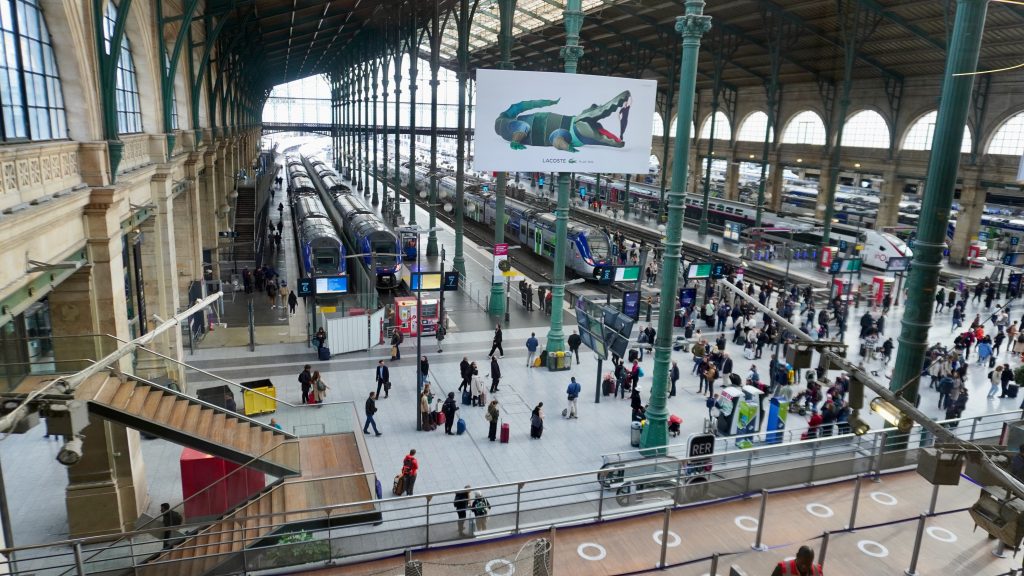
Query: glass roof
(530, 15)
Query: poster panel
(554, 122)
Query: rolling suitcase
(504, 433)
(324, 353)
(399, 486)
(467, 398)
(609, 387)
(460, 427)
(438, 418)
(1011, 390)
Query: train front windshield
(385, 253)
(599, 248)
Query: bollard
(853, 508)
(714, 565)
(912, 571)
(664, 537)
(760, 522)
(824, 548)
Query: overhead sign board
(697, 271)
(897, 264)
(631, 303)
(844, 265)
(305, 287)
(332, 285)
(555, 122)
(627, 273)
(451, 281)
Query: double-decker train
(320, 247)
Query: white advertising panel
(552, 122)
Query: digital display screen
(332, 285)
(698, 271)
(583, 321)
(627, 274)
(618, 345)
(599, 348)
(431, 280)
(588, 339)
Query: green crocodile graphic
(563, 132)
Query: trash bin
(634, 434)
(215, 395)
(559, 361)
(259, 397)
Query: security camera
(71, 452)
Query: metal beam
(902, 22)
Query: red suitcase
(439, 419)
(504, 433)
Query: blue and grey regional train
(328, 177)
(320, 247)
(535, 230)
(364, 231)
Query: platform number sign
(1014, 240)
(306, 287)
(714, 247)
(718, 270)
(604, 274)
(451, 281)
(843, 245)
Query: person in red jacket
(802, 565)
(410, 467)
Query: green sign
(627, 274)
(698, 271)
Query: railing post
(427, 543)
(912, 570)
(760, 522)
(824, 548)
(79, 566)
(935, 500)
(679, 483)
(519, 499)
(883, 439)
(974, 427)
(814, 459)
(750, 462)
(853, 508)
(664, 537)
(714, 565)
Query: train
(320, 248)
(370, 240)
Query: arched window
(129, 113)
(752, 128)
(866, 129)
(921, 133)
(659, 126)
(722, 129)
(672, 129)
(30, 93)
(174, 95)
(805, 128)
(1009, 138)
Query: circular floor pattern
(748, 523)
(673, 539)
(819, 510)
(506, 567)
(941, 534)
(884, 498)
(601, 552)
(872, 548)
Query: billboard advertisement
(554, 122)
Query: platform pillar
(965, 44)
(375, 68)
(398, 126)
(823, 208)
(775, 180)
(732, 178)
(385, 160)
(462, 22)
(414, 48)
(968, 219)
(506, 10)
(692, 26)
(889, 200)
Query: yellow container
(260, 400)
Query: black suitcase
(609, 387)
(324, 353)
(467, 398)
(634, 355)
(1011, 390)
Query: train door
(524, 231)
(538, 240)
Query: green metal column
(414, 48)
(506, 10)
(398, 123)
(367, 166)
(938, 194)
(692, 26)
(108, 79)
(571, 52)
(435, 68)
(375, 67)
(385, 63)
(346, 133)
(772, 92)
(463, 20)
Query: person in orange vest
(802, 565)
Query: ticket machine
(407, 315)
(880, 286)
(739, 412)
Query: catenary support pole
(691, 26)
(396, 207)
(435, 67)
(506, 10)
(459, 261)
(414, 50)
(571, 53)
(385, 160)
(938, 194)
(375, 198)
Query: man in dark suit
(383, 379)
(466, 371)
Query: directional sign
(718, 270)
(604, 274)
(451, 281)
(701, 446)
(1014, 240)
(843, 245)
(627, 273)
(845, 265)
(306, 287)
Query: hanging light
(892, 415)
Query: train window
(728, 210)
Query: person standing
(537, 421)
(410, 469)
(466, 372)
(531, 349)
(371, 409)
(320, 338)
(673, 376)
(476, 388)
(426, 424)
(461, 503)
(481, 507)
(495, 374)
(574, 345)
(396, 339)
(449, 408)
(440, 333)
(305, 377)
(293, 301)
(496, 343)
(319, 388)
(492, 417)
(802, 565)
(424, 370)
(383, 379)
(170, 518)
(573, 394)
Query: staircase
(245, 223)
(188, 421)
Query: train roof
(318, 228)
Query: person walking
(171, 518)
(995, 381)
(461, 503)
(537, 421)
(492, 417)
(449, 408)
(410, 469)
(802, 565)
(305, 378)
(440, 332)
(371, 409)
(574, 345)
(466, 373)
(293, 301)
(383, 379)
(495, 374)
(496, 343)
(573, 394)
(531, 349)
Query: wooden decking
(950, 546)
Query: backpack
(320, 386)
(481, 506)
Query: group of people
(544, 297)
